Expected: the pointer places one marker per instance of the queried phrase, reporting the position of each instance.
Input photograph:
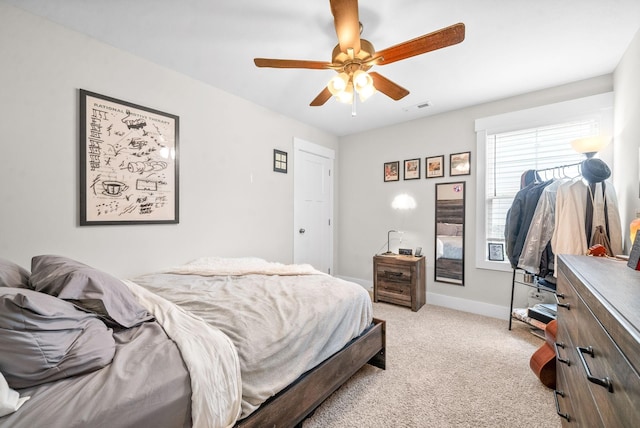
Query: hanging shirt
(541, 229)
(569, 236)
(519, 218)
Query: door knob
(302, 231)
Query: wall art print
(128, 163)
(412, 169)
(391, 171)
(435, 166)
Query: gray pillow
(89, 288)
(43, 339)
(13, 275)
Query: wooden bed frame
(292, 405)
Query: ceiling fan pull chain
(353, 104)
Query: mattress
(282, 319)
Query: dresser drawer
(574, 400)
(394, 273)
(394, 292)
(611, 381)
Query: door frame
(300, 145)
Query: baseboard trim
(368, 285)
(464, 305)
(471, 306)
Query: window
(509, 145)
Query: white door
(313, 205)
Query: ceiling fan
(353, 57)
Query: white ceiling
(511, 47)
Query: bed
(238, 342)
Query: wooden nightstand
(399, 280)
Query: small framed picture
(279, 161)
(460, 164)
(434, 167)
(412, 169)
(391, 171)
(496, 252)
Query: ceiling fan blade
(387, 87)
(429, 42)
(292, 63)
(347, 23)
(322, 98)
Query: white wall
(231, 201)
(366, 214)
(224, 143)
(627, 134)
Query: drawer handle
(559, 296)
(604, 382)
(392, 274)
(557, 345)
(555, 397)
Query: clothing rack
(519, 279)
(561, 167)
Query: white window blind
(510, 154)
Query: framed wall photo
(412, 169)
(460, 164)
(496, 252)
(434, 167)
(280, 160)
(128, 163)
(392, 171)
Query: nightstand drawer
(397, 295)
(400, 290)
(389, 273)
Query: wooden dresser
(598, 343)
(400, 280)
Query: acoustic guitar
(543, 361)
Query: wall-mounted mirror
(450, 207)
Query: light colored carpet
(445, 368)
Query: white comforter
(210, 357)
(282, 319)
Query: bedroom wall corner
(626, 174)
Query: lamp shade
(590, 145)
(403, 202)
(634, 227)
(338, 83)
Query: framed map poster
(128, 163)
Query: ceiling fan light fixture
(346, 96)
(338, 83)
(362, 80)
(366, 92)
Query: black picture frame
(434, 167)
(412, 169)
(450, 229)
(460, 164)
(495, 252)
(128, 163)
(280, 161)
(634, 254)
(392, 171)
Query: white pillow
(10, 400)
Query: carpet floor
(445, 368)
